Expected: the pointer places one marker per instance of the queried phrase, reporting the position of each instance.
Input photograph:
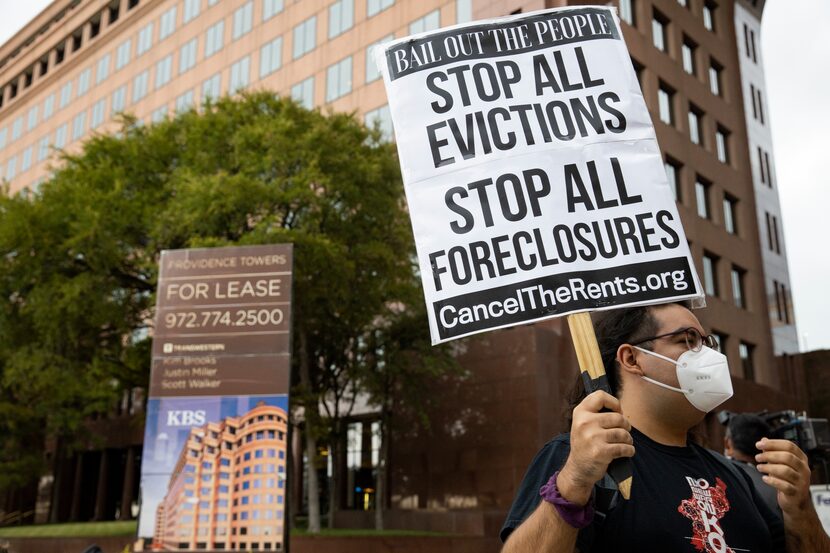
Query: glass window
(303, 92)
(770, 235)
(383, 119)
(702, 198)
(158, 116)
(270, 57)
(784, 304)
(26, 160)
(373, 7)
(270, 8)
(715, 70)
(164, 70)
(709, 15)
(754, 101)
(243, 20)
(3, 133)
(761, 165)
(211, 87)
(339, 79)
(754, 51)
(122, 54)
(720, 340)
(60, 135)
(372, 72)
(11, 168)
(145, 39)
(184, 102)
(658, 31)
(710, 274)
(43, 148)
(187, 55)
(673, 176)
(97, 113)
(729, 207)
(140, 83)
(66, 95)
(341, 17)
(32, 118)
(214, 38)
(191, 10)
(463, 11)
(760, 102)
(83, 82)
(240, 75)
(688, 53)
(102, 70)
(17, 128)
(48, 106)
(665, 102)
(694, 125)
(722, 144)
(119, 99)
(627, 11)
(305, 37)
(746, 351)
(738, 287)
(167, 23)
(429, 22)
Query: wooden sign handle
(593, 376)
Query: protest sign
(532, 172)
(214, 465)
(821, 501)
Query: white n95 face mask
(703, 377)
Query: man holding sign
(667, 375)
(536, 189)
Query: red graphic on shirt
(705, 508)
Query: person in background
(743, 431)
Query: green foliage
(71, 530)
(78, 261)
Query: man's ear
(627, 359)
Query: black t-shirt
(683, 499)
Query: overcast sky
(796, 56)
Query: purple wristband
(578, 516)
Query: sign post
(535, 184)
(593, 378)
(214, 465)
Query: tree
(79, 259)
(397, 362)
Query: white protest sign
(821, 501)
(532, 172)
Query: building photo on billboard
(214, 474)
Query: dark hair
(614, 328)
(745, 430)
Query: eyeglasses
(694, 339)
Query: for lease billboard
(215, 459)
